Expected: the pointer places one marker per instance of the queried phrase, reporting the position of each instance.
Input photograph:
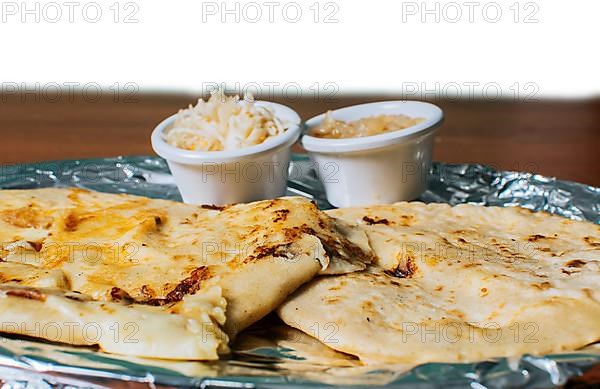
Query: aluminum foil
(270, 355)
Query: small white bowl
(225, 177)
(377, 169)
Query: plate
(275, 361)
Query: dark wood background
(556, 138)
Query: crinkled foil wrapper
(276, 358)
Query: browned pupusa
(458, 283)
(133, 252)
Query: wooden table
(554, 138)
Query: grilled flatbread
(159, 265)
(460, 283)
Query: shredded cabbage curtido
(223, 123)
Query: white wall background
(532, 49)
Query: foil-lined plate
(270, 355)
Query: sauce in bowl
(373, 125)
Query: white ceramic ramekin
(378, 169)
(225, 177)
